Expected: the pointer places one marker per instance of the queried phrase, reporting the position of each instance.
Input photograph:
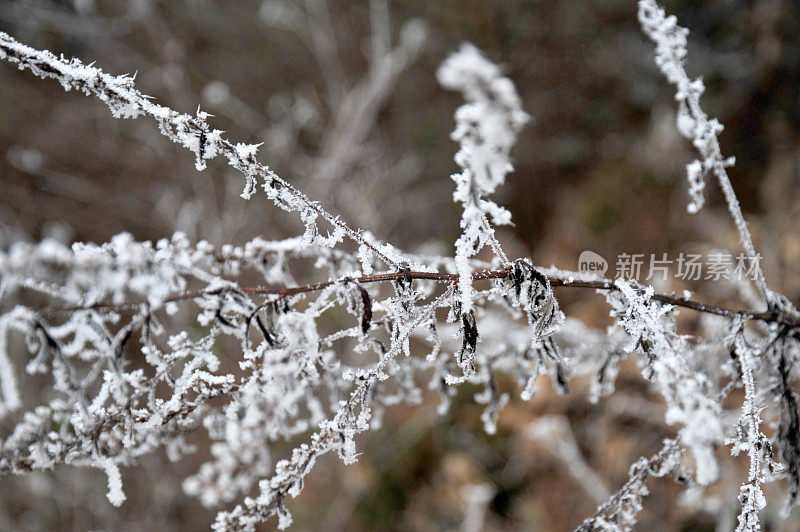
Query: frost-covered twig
(192, 132)
(619, 513)
(749, 437)
(694, 124)
(486, 129)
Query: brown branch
(596, 284)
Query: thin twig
(555, 281)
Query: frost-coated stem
(695, 125)
(192, 132)
(619, 512)
(486, 130)
(750, 438)
(741, 226)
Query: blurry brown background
(600, 167)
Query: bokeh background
(343, 94)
